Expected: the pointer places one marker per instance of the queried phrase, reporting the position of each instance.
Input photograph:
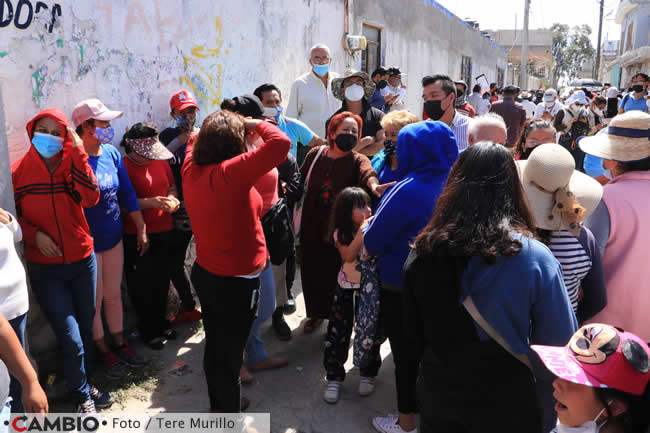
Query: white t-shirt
(400, 103)
(541, 108)
(13, 283)
(530, 108)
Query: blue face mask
(277, 116)
(183, 123)
(607, 173)
(47, 145)
(105, 135)
(321, 70)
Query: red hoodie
(53, 204)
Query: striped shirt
(460, 128)
(575, 262)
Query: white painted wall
(134, 54)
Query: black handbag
(278, 231)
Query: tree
(570, 49)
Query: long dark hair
(349, 199)
(637, 417)
(482, 206)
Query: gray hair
(320, 47)
(488, 119)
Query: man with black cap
(395, 92)
(512, 112)
(462, 106)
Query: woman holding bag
(479, 249)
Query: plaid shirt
(514, 114)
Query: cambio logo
(55, 423)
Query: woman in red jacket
(52, 184)
(225, 209)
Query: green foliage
(570, 49)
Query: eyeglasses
(320, 60)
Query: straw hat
(559, 196)
(627, 138)
(337, 84)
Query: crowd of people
(498, 245)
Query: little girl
(602, 381)
(351, 212)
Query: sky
(502, 14)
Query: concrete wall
(423, 38)
(133, 54)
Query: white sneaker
(366, 385)
(388, 424)
(332, 392)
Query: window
(371, 56)
(466, 71)
(628, 44)
(500, 76)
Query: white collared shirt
(460, 128)
(311, 102)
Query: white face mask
(354, 92)
(575, 109)
(588, 427)
(598, 111)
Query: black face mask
(638, 88)
(381, 84)
(390, 147)
(434, 109)
(346, 142)
(526, 153)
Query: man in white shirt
(395, 92)
(528, 104)
(549, 107)
(311, 100)
(475, 98)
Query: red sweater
(53, 204)
(225, 209)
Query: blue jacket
(523, 297)
(425, 153)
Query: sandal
(312, 324)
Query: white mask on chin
(588, 427)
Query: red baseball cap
(183, 99)
(600, 356)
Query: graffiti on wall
(26, 12)
(202, 74)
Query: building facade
(634, 47)
(540, 59)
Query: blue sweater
(523, 297)
(425, 153)
(115, 188)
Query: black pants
(468, 391)
(403, 348)
(228, 306)
(180, 240)
(147, 278)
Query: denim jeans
(180, 240)
(255, 344)
(228, 307)
(15, 390)
(66, 294)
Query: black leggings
(229, 307)
(147, 278)
(403, 349)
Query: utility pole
(523, 73)
(600, 34)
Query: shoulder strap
(311, 167)
(625, 98)
(468, 303)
